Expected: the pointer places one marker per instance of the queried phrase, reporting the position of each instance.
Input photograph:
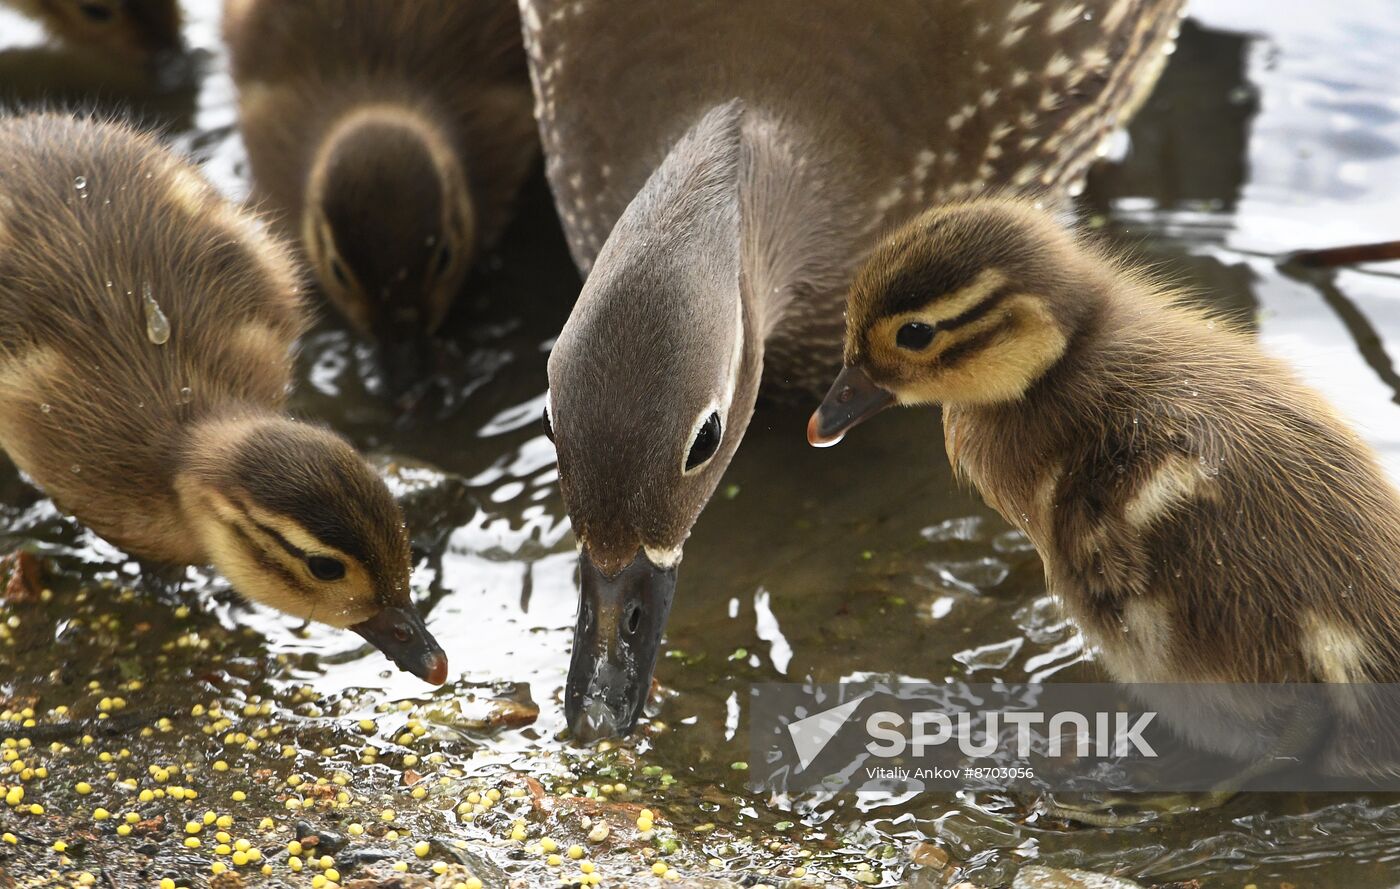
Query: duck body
(147, 330)
(390, 138)
(1202, 515)
(721, 171)
(854, 118)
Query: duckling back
(133, 300)
(1203, 514)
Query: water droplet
(186, 394)
(76, 468)
(157, 325)
(46, 407)
(80, 183)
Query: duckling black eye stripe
(269, 564)
(980, 310)
(964, 349)
(295, 551)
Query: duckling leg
(1301, 734)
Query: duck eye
(914, 336)
(548, 426)
(326, 568)
(96, 11)
(706, 442)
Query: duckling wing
(890, 106)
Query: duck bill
(853, 399)
(620, 623)
(403, 637)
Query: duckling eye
(705, 444)
(96, 11)
(325, 568)
(338, 271)
(442, 260)
(914, 336)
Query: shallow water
(1275, 127)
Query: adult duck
(720, 171)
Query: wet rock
(397, 881)
(1053, 878)
(229, 879)
(326, 842)
(508, 705)
(24, 578)
(928, 855)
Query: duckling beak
(403, 637)
(853, 399)
(620, 623)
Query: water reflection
(1273, 129)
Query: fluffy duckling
(146, 331)
(132, 29)
(1202, 515)
(393, 138)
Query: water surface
(1275, 127)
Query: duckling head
(652, 383)
(135, 28)
(297, 521)
(968, 304)
(389, 229)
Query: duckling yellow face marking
(388, 224)
(961, 306)
(297, 520)
(990, 352)
(275, 562)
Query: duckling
(393, 138)
(146, 332)
(1203, 516)
(143, 30)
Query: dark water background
(1275, 127)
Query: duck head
(298, 521)
(389, 230)
(651, 386)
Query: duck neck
(789, 247)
